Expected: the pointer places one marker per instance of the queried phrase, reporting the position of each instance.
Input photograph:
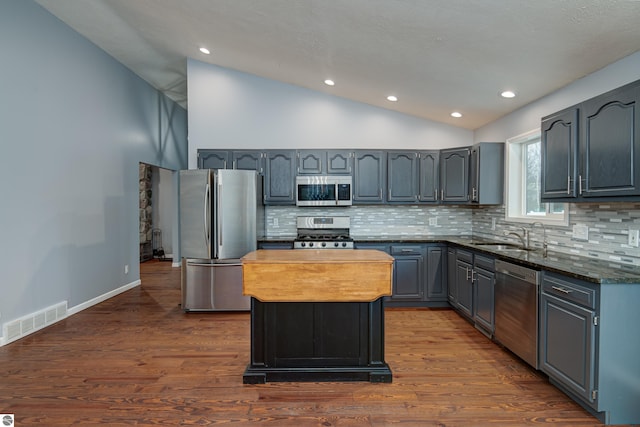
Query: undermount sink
(501, 246)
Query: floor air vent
(26, 325)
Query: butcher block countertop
(317, 275)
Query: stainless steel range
(323, 232)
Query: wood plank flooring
(137, 359)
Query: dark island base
(319, 341)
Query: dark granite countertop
(582, 268)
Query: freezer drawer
(210, 286)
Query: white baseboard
(78, 308)
(26, 325)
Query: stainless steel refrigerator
(221, 218)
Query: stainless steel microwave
(323, 190)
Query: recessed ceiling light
(456, 114)
(329, 82)
(205, 50)
(508, 94)
(392, 98)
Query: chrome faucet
(544, 237)
(524, 238)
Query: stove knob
(324, 244)
(344, 244)
(303, 244)
(311, 244)
(336, 244)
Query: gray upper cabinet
(486, 173)
(312, 162)
(559, 148)
(369, 179)
(325, 162)
(279, 177)
(339, 162)
(591, 151)
(610, 144)
(402, 176)
(429, 178)
(248, 160)
(454, 175)
(214, 159)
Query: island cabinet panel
(316, 334)
(300, 341)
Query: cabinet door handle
(435, 194)
(441, 194)
(559, 289)
(474, 276)
(406, 250)
(580, 184)
(568, 185)
(468, 273)
(474, 193)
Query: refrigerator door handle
(218, 221)
(199, 264)
(207, 223)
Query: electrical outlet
(433, 220)
(275, 222)
(493, 224)
(580, 232)
(634, 236)
(126, 269)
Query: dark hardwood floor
(137, 359)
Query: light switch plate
(580, 232)
(433, 220)
(634, 236)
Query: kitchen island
(317, 315)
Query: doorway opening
(156, 212)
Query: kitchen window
(523, 184)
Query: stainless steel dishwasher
(516, 310)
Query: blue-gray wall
(74, 124)
(230, 109)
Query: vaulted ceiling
(435, 56)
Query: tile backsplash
(608, 225)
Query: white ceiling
(436, 56)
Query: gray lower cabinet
(484, 280)
(471, 286)
(464, 283)
(589, 346)
(419, 273)
(275, 245)
(408, 272)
